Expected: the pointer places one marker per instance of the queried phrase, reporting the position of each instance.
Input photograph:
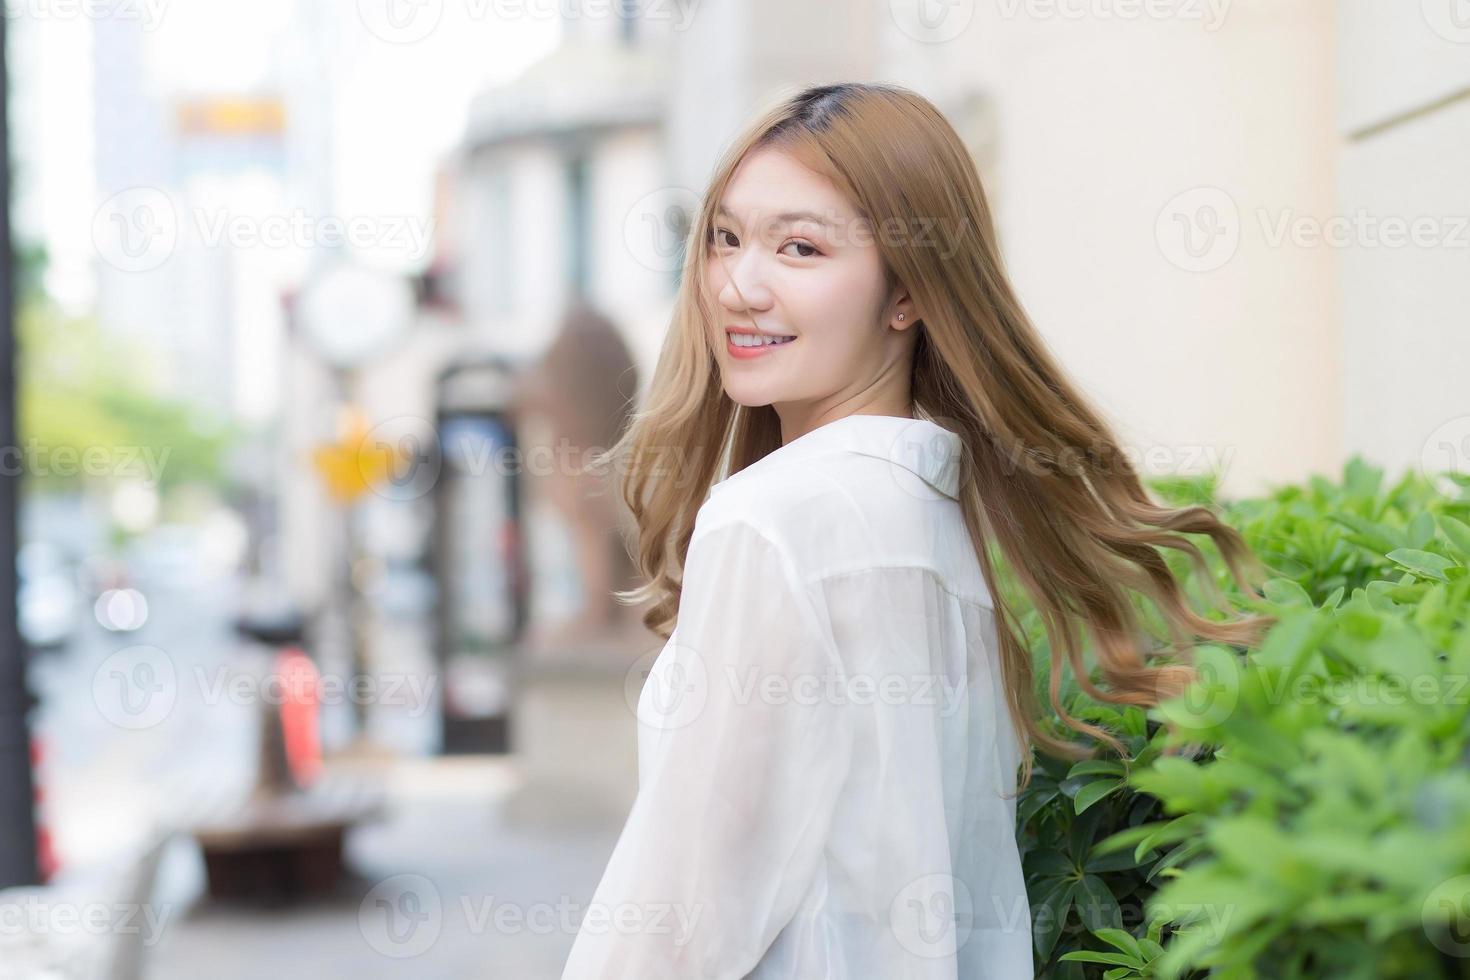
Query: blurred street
(452, 823)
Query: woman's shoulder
(805, 512)
(834, 512)
(775, 500)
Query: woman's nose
(747, 272)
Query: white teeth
(752, 340)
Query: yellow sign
(232, 117)
(355, 465)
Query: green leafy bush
(1304, 809)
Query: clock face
(350, 313)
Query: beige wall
(1120, 144)
(1405, 146)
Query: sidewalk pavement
(449, 884)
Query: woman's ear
(902, 314)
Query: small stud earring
(902, 315)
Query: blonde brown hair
(1041, 475)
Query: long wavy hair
(1041, 475)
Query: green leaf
(1094, 791)
(1051, 916)
(1422, 563)
(1096, 767)
(1285, 592)
(1458, 533)
(1093, 956)
(1114, 861)
(1375, 537)
(1120, 939)
(1421, 529)
(1096, 904)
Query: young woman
(829, 740)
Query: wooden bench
(278, 846)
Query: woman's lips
(746, 353)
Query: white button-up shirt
(824, 745)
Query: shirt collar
(920, 446)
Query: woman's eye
(717, 240)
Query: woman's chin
(747, 398)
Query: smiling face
(806, 268)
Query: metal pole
(349, 602)
(17, 812)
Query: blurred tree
(83, 391)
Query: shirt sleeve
(750, 744)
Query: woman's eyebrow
(786, 217)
